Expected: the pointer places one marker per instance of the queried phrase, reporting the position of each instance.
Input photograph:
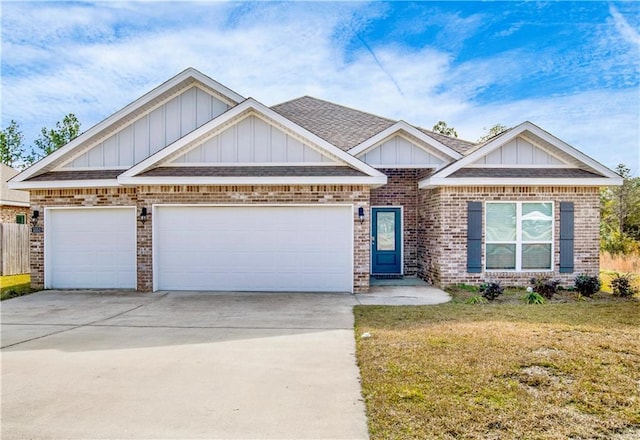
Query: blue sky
(572, 68)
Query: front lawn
(502, 371)
(14, 285)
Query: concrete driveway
(180, 365)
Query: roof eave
(374, 181)
(62, 184)
(434, 181)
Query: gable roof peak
(140, 105)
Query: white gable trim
(232, 96)
(434, 182)
(221, 121)
(553, 154)
(439, 149)
(512, 134)
(255, 180)
(249, 164)
(63, 166)
(14, 203)
(171, 160)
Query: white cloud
(94, 60)
(624, 28)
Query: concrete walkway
(79, 364)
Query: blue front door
(386, 241)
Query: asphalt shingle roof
(77, 175)
(346, 127)
(341, 126)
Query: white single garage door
(91, 248)
(253, 248)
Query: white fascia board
(482, 151)
(365, 146)
(563, 146)
(435, 181)
(52, 184)
(247, 105)
(213, 84)
(255, 180)
(514, 133)
(135, 105)
(156, 159)
(14, 203)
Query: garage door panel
(90, 248)
(270, 248)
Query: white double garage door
(220, 248)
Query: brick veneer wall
(442, 216)
(41, 199)
(147, 196)
(402, 190)
(8, 213)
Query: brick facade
(402, 190)
(8, 213)
(442, 240)
(147, 196)
(41, 199)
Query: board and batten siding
(399, 151)
(518, 152)
(252, 140)
(153, 131)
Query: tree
(50, 140)
(11, 145)
(620, 214)
(442, 128)
(493, 132)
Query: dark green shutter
(566, 237)
(474, 237)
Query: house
(194, 187)
(14, 205)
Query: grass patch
(12, 286)
(508, 371)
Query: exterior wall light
(143, 215)
(361, 214)
(34, 218)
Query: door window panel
(386, 231)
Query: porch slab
(403, 295)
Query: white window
(519, 236)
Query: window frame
(23, 217)
(519, 242)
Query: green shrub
(476, 299)
(545, 286)
(622, 284)
(587, 285)
(491, 290)
(533, 298)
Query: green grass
(508, 371)
(12, 286)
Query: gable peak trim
(187, 77)
(397, 129)
(243, 110)
(512, 133)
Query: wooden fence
(14, 249)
